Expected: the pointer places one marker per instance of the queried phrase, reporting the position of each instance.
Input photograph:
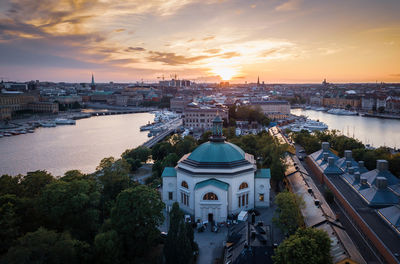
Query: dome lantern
(217, 135)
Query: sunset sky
(282, 41)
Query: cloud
(135, 49)
(209, 38)
(395, 75)
(228, 55)
(289, 5)
(170, 58)
(267, 53)
(213, 51)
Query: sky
(281, 41)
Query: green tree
(72, 206)
(45, 246)
(72, 175)
(288, 215)
(205, 137)
(10, 185)
(108, 248)
(33, 183)
(114, 178)
(179, 243)
(135, 217)
(161, 150)
(9, 221)
(308, 246)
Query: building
(370, 198)
(274, 109)
(216, 180)
(197, 117)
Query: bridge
(169, 131)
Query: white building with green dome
(216, 180)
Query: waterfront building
(199, 117)
(274, 109)
(216, 180)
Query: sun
(225, 73)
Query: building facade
(274, 109)
(216, 180)
(201, 118)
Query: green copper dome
(217, 152)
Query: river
(80, 147)
(369, 130)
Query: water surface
(369, 130)
(64, 148)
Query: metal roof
(263, 173)
(169, 172)
(214, 182)
(217, 152)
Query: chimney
(348, 164)
(325, 155)
(381, 183)
(361, 164)
(325, 146)
(382, 165)
(347, 154)
(363, 181)
(357, 176)
(331, 161)
(351, 170)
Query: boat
(7, 134)
(150, 134)
(48, 124)
(146, 127)
(315, 125)
(64, 121)
(337, 111)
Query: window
(184, 199)
(170, 196)
(239, 201)
(247, 199)
(244, 185)
(184, 185)
(261, 197)
(243, 200)
(210, 196)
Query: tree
(45, 246)
(33, 183)
(108, 247)
(72, 175)
(288, 214)
(310, 245)
(135, 217)
(160, 150)
(10, 185)
(179, 243)
(72, 206)
(9, 221)
(113, 176)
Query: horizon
(282, 41)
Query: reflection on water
(64, 148)
(374, 131)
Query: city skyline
(290, 41)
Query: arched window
(244, 185)
(210, 196)
(185, 185)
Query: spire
(217, 135)
(93, 85)
(258, 80)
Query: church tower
(93, 85)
